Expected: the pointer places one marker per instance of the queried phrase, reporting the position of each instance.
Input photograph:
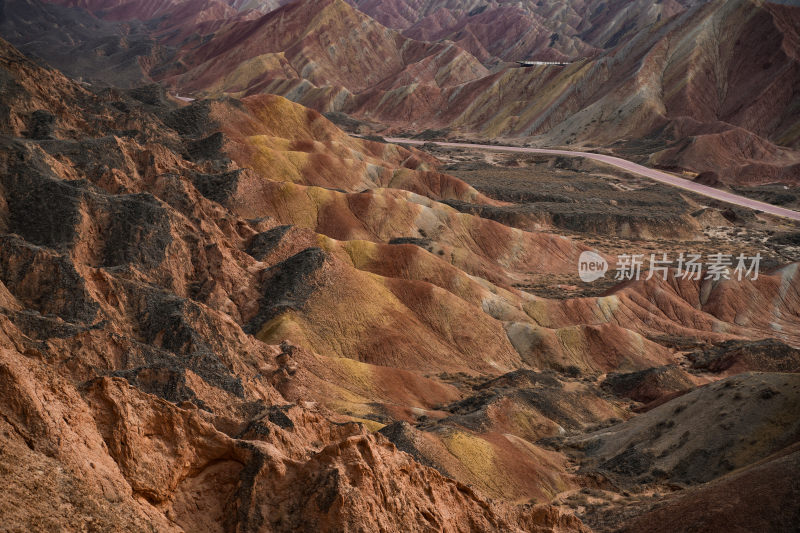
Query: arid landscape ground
(227, 303)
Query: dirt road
(634, 168)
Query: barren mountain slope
(693, 89)
(573, 26)
(503, 33)
(80, 44)
(129, 384)
(199, 10)
(758, 498)
(233, 306)
(696, 92)
(314, 43)
(704, 86)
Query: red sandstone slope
(317, 44)
(509, 33)
(523, 30)
(128, 382)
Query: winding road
(634, 168)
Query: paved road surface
(624, 164)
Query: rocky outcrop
(132, 396)
(649, 385)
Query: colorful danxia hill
(228, 304)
